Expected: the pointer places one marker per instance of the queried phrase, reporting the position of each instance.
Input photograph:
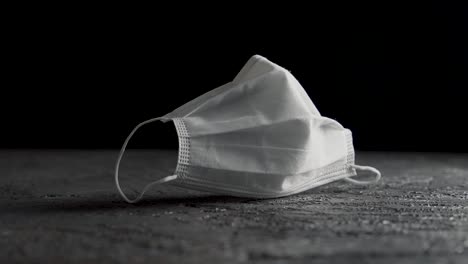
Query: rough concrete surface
(62, 207)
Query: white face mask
(258, 136)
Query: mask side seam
(183, 159)
(349, 147)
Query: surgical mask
(259, 136)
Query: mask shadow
(106, 203)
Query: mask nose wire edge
(376, 172)
(117, 165)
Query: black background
(395, 74)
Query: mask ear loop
(365, 168)
(117, 165)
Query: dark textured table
(62, 206)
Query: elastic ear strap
(365, 168)
(117, 165)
